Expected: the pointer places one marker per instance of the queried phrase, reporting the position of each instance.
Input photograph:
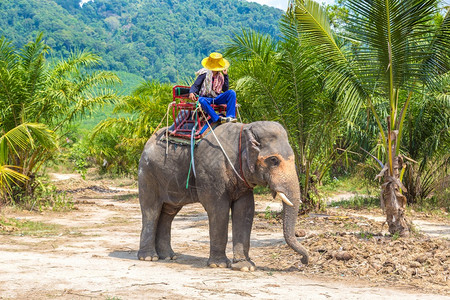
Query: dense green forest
(155, 39)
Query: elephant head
(269, 161)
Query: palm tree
(119, 140)
(427, 143)
(279, 81)
(395, 51)
(13, 142)
(32, 90)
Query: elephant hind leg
(163, 233)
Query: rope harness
(192, 164)
(240, 157)
(192, 144)
(220, 145)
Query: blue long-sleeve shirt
(195, 88)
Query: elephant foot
(148, 255)
(167, 256)
(219, 263)
(243, 265)
(165, 251)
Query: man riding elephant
(212, 87)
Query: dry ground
(90, 253)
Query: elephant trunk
(289, 219)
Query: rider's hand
(192, 97)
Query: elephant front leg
(243, 211)
(218, 216)
(151, 210)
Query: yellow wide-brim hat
(215, 62)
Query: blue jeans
(228, 98)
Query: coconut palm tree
(34, 91)
(427, 143)
(280, 80)
(395, 50)
(14, 142)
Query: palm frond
(250, 44)
(95, 80)
(392, 36)
(25, 136)
(7, 55)
(437, 61)
(121, 123)
(76, 60)
(9, 177)
(442, 89)
(308, 21)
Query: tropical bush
(117, 142)
(277, 79)
(394, 53)
(388, 59)
(38, 99)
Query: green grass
(47, 200)
(358, 202)
(354, 183)
(261, 190)
(24, 227)
(270, 214)
(129, 83)
(126, 197)
(45, 197)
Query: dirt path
(92, 254)
(430, 228)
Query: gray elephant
(258, 153)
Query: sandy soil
(91, 253)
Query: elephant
(257, 153)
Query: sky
(283, 3)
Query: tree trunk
(393, 202)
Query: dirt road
(91, 254)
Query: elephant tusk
(285, 199)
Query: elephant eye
(273, 161)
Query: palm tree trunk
(393, 201)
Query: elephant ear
(251, 152)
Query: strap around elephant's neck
(240, 158)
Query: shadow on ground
(183, 259)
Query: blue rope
(192, 164)
(192, 149)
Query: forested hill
(157, 39)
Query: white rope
(220, 145)
(195, 111)
(157, 127)
(238, 113)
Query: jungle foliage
(117, 142)
(390, 59)
(38, 100)
(157, 39)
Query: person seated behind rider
(212, 87)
